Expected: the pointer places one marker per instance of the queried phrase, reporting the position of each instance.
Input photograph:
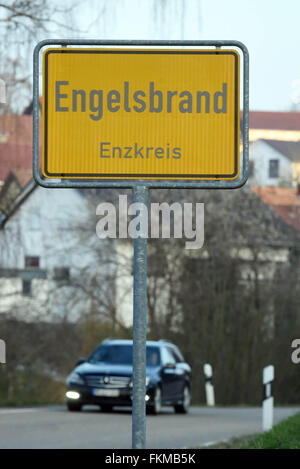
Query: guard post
(268, 398)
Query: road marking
(17, 411)
(210, 443)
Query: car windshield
(122, 355)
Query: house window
(32, 261)
(61, 273)
(251, 168)
(27, 287)
(35, 220)
(273, 168)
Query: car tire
(106, 408)
(155, 408)
(184, 407)
(74, 407)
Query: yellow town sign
(141, 114)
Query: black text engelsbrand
(152, 100)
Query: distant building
(274, 148)
(284, 201)
(13, 185)
(52, 266)
(15, 144)
(48, 264)
(274, 126)
(29, 109)
(274, 163)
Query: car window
(172, 352)
(118, 354)
(167, 356)
(177, 355)
(112, 354)
(152, 356)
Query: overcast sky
(269, 29)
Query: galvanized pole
(140, 194)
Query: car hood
(106, 369)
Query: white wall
(43, 226)
(46, 225)
(124, 282)
(261, 153)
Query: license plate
(106, 392)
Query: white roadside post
(209, 388)
(2, 351)
(2, 92)
(268, 399)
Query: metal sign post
(141, 115)
(140, 194)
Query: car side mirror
(80, 361)
(169, 366)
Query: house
(274, 163)
(273, 126)
(274, 149)
(52, 264)
(284, 201)
(290, 150)
(15, 144)
(2, 92)
(13, 185)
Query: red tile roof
(273, 120)
(15, 143)
(284, 201)
(13, 157)
(23, 176)
(290, 214)
(16, 129)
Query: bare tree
(233, 303)
(21, 22)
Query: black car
(105, 378)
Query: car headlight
(74, 378)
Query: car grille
(100, 381)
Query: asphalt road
(55, 427)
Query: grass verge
(285, 435)
(29, 388)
